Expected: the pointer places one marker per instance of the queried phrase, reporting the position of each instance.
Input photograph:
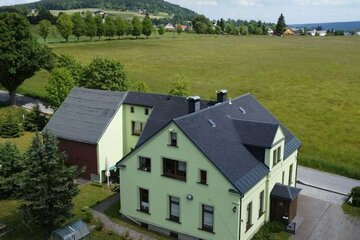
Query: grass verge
(351, 210)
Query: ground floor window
(144, 200)
(174, 206)
(249, 216)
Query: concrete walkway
(26, 102)
(327, 181)
(98, 212)
(324, 220)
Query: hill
(150, 6)
(346, 26)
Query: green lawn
(11, 216)
(351, 210)
(311, 84)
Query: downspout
(240, 220)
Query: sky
(295, 11)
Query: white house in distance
(270, 32)
(357, 33)
(321, 33)
(169, 27)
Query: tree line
(97, 26)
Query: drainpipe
(240, 220)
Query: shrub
(88, 217)
(99, 225)
(110, 233)
(10, 127)
(266, 231)
(85, 209)
(35, 120)
(355, 194)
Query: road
(326, 181)
(26, 102)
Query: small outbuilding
(74, 231)
(283, 203)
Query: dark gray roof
(164, 109)
(85, 114)
(225, 144)
(284, 192)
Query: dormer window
(276, 156)
(132, 109)
(146, 111)
(173, 139)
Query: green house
(220, 171)
(189, 168)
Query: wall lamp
(234, 209)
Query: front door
(279, 210)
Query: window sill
(146, 212)
(175, 146)
(204, 184)
(136, 134)
(248, 227)
(171, 220)
(174, 177)
(141, 169)
(261, 214)
(207, 230)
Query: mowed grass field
(311, 84)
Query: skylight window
(213, 124)
(242, 110)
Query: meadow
(311, 84)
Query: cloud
(249, 3)
(327, 2)
(206, 3)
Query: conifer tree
(280, 26)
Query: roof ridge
(212, 107)
(253, 121)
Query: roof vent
(213, 124)
(194, 103)
(242, 110)
(230, 101)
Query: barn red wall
(80, 154)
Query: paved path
(26, 102)
(326, 181)
(324, 220)
(98, 212)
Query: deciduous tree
(147, 26)
(59, 86)
(64, 26)
(105, 74)
(20, 55)
(79, 27)
(136, 27)
(109, 27)
(179, 88)
(99, 26)
(90, 25)
(44, 29)
(120, 26)
(161, 30)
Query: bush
(88, 217)
(35, 120)
(267, 230)
(355, 194)
(99, 225)
(10, 127)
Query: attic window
(213, 124)
(242, 110)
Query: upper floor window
(203, 177)
(174, 206)
(261, 204)
(174, 169)
(144, 200)
(146, 111)
(249, 216)
(136, 128)
(207, 218)
(132, 109)
(276, 156)
(145, 164)
(173, 139)
(290, 174)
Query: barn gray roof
(85, 114)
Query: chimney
(194, 103)
(221, 96)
